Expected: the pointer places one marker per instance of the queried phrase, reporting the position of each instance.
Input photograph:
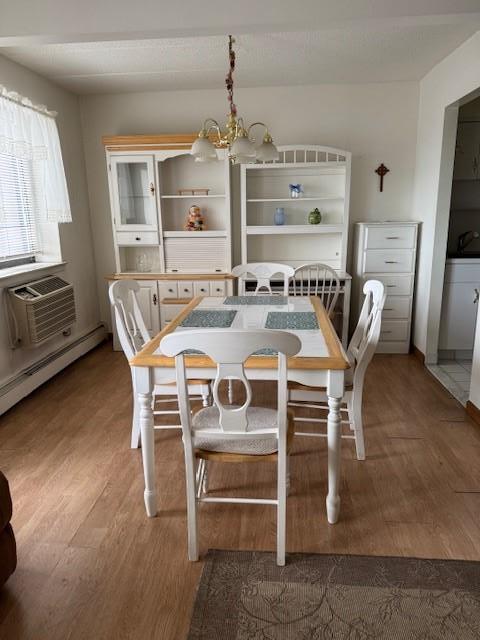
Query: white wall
(376, 122)
(75, 238)
(440, 90)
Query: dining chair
(133, 334)
(360, 352)
(263, 273)
(317, 279)
(227, 434)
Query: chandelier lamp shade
(236, 137)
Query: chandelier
(236, 137)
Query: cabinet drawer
(397, 307)
(201, 288)
(168, 289)
(400, 237)
(185, 289)
(395, 285)
(389, 261)
(130, 238)
(394, 330)
(217, 288)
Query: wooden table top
(321, 347)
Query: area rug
(244, 596)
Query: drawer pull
(386, 331)
(391, 261)
(392, 238)
(387, 309)
(185, 290)
(138, 238)
(170, 291)
(391, 286)
(203, 290)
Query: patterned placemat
(275, 300)
(218, 319)
(291, 320)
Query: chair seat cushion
(258, 418)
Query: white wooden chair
(360, 352)
(133, 334)
(233, 434)
(263, 272)
(317, 279)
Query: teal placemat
(218, 319)
(275, 300)
(261, 352)
(291, 320)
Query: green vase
(314, 217)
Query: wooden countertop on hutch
(170, 276)
(150, 142)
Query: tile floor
(455, 376)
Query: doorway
(461, 284)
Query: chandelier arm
(212, 125)
(255, 124)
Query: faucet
(465, 239)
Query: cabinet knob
(138, 238)
(170, 291)
(152, 188)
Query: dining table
(321, 362)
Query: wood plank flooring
(93, 566)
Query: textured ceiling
(373, 53)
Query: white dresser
(386, 251)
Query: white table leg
(335, 387)
(144, 394)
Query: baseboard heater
(36, 374)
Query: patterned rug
(244, 596)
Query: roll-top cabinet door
(148, 302)
(133, 193)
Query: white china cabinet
(153, 183)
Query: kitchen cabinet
(459, 304)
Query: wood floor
(93, 566)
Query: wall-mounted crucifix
(382, 171)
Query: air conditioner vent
(42, 309)
(48, 285)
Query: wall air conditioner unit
(41, 310)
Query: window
(18, 233)
(33, 188)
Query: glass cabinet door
(133, 185)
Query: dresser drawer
(394, 330)
(400, 237)
(168, 289)
(397, 307)
(201, 288)
(388, 261)
(130, 238)
(218, 288)
(185, 289)
(394, 285)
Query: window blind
(18, 232)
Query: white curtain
(29, 132)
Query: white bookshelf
(324, 173)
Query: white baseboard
(36, 375)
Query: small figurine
(296, 190)
(195, 220)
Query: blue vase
(279, 217)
